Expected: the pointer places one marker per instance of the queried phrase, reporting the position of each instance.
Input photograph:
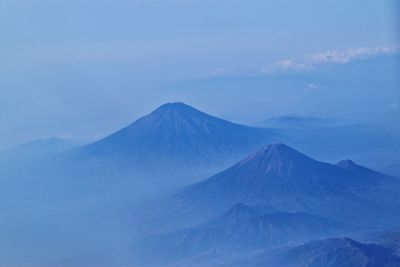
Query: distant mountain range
(38, 148)
(335, 252)
(288, 199)
(241, 228)
(332, 139)
(291, 121)
(262, 210)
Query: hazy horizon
(84, 69)
(205, 133)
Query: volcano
(176, 135)
(173, 146)
(288, 180)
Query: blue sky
(84, 68)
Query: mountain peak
(178, 107)
(278, 158)
(361, 171)
(175, 104)
(350, 166)
(176, 132)
(347, 164)
(172, 105)
(270, 175)
(177, 114)
(276, 149)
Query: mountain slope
(360, 171)
(336, 252)
(388, 238)
(241, 228)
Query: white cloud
(346, 56)
(286, 65)
(310, 62)
(311, 87)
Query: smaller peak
(278, 158)
(350, 166)
(346, 164)
(276, 149)
(346, 161)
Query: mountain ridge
(241, 228)
(332, 252)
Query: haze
(82, 69)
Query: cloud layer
(310, 62)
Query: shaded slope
(361, 172)
(388, 238)
(336, 252)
